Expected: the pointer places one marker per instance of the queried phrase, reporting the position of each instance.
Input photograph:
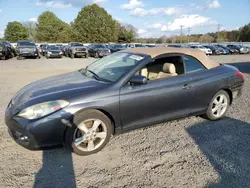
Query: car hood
(54, 88)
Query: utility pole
(181, 32)
(218, 32)
(188, 33)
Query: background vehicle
(116, 47)
(5, 51)
(240, 48)
(215, 50)
(202, 48)
(82, 109)
(76, 49)
(53, 51)
(98, 50)
(27, 49)
(135, 45)
(230, 50)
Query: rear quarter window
(192, 64)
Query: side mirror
(138, 79)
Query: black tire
(20, 58)
(78, 119)
(87, 55)
(3, 58)
(72, 56)
(38, 57)
(209, 114)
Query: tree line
(93, 24)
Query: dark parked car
(26, 49)
(116, 47)
(215, 50)
(229, 50)
(53, 51)
(5, 51)
(76, 49)
(240, 48)
(98, 50)
(126, 90)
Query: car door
(155, 101)
(203, 82)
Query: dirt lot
(191, 152)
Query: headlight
(34, 50)
(49, 53)
(42, 109)
(60, 53)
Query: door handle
(186, 86)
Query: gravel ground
(191, 152)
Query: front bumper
(28, 54)
(54, 55)
(102, 54)
(44, 133)
(79, 54)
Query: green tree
(94, 24)
(206, 38)
(15, 31)
(50, 28)
(244, 34)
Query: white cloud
(32, 20)
(141, 31)
(155, 26)
(157, 11)
(1, 34)
(53, 4)
(214, 4)
(132, 4)
(186, 21)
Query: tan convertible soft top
(154, 52)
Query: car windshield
(26, 43)
(53, 48)
(76, 44)
(99, 46)
(138, 45)
(112, 67)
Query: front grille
(81, 49)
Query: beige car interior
(164, 68)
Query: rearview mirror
(138, 79)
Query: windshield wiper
(95, 75)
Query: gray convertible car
(126, 90)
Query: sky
(152, 18)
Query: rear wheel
(218, 106)
(90, 132)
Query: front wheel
(218, 106)
(89, 133)
(72, 56)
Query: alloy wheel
(90, 135)
(220, 105)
